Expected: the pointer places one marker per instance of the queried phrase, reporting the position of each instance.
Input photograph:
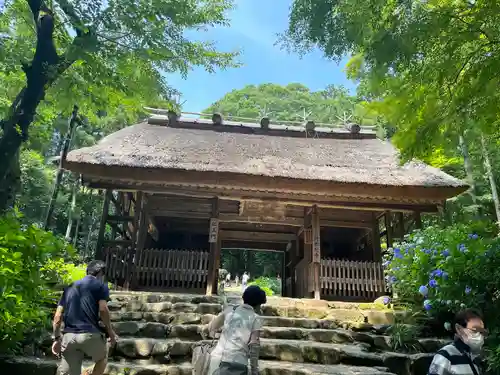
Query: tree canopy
(295, 102)
(108, 56)
(433, 63)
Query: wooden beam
(400, 225)
(388, 227)
(316, 252)
(377, 253)
(418, 220)
(232, 180)
(363, 202)
(102, 226)
(215, 250)
(138, 218)
(260, 246)
(232, 218)
(256, 236)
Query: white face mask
(475, 341)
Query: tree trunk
(491, 177)
(41, 73)
(72, 209)
(11, 186)
(57, 183)
(468, 170)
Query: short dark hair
(95, 267)
(463, 317)
(254, 296)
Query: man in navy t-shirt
(81, 307)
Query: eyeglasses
(482, 331)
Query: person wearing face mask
(462, 356)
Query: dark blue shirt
(80, 303)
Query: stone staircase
(300, 337)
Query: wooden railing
(160, 269)
(344, 278)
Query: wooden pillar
(400, 225)
(102, 226)
(388, 228)
(377, 253)
(316, 253)
(139, 236)
(418, 220)
(214, 240)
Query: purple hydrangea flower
(433, 283)
(386, 300)
(427, 305)
(423, 290)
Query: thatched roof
(362, 161)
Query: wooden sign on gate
(214, 230)
(316, 246)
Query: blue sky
(254, 25)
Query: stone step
(36, 366)
(272, 321)
(337, 315)
(336, 336)
(160, 351)
(276, 306)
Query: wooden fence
(344, 278)
(159, 269)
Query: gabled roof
(360, 161)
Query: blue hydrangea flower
(445, 253)
(393, 279)
(437, 273)
(386, 264)
(444, 275)
(386, 300)
(468, 289)
(423, 290)
(427, 251)
(473, 236)
(433, 283)
(462, 248)
(397, 253)
(427, 305)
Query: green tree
(97, 48)
(433, 63)
(429, 68)
(295, 103)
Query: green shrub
(442, 271)
(59, 272)
(24, 294)
(268, 282)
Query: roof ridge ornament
(217, 119)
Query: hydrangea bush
(442, 270)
